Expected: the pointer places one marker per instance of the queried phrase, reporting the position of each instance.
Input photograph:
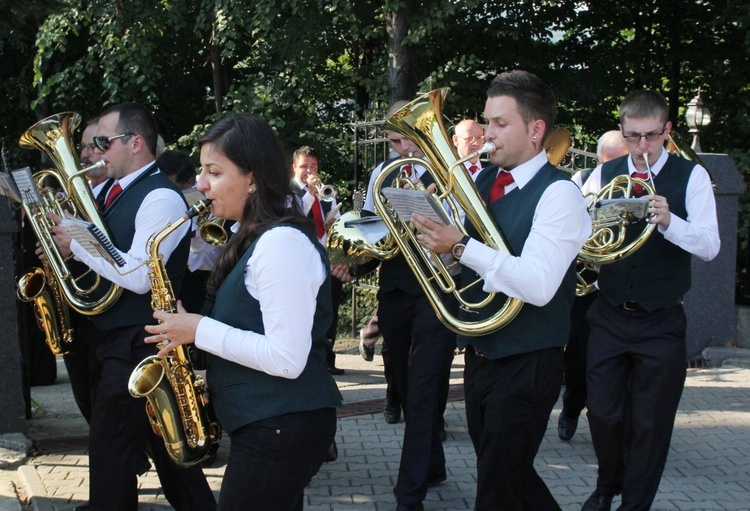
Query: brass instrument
(324, 192)
(212, 230)
(612, 210)
(680, 147)
(421, 122)
(556, 144)
(52, 316)
(53, 136)
(171, 387)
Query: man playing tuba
(512, 376)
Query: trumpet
(324, 192)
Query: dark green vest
(396, 273)
(658, 273)
(534, 328)
(131, 308)
(242, 395)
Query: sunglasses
(102, 142)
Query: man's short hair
(135, 118)
(535, 99)
(305, 151)
(643, 103)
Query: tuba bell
(53, 137)
(421, 122)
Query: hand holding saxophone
(174, 329)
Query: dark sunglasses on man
(102, 142)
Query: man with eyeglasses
(468, 137)
(142, 201)
(636, 360)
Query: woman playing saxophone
(267, 375)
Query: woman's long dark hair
(250, 143)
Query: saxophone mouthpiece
(199, 208)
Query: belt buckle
(630, 306)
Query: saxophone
(170, 385)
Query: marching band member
(268, 379)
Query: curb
(36, 492)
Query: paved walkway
(708, 466)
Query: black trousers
(636, 372)
(420, 351)
(272, 460)
(336, 293)
(84, 370)
(120, 434)
(508, 404)
(574, 397)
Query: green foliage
(311, 66)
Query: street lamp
(697, 116)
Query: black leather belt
(634, 307)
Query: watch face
(458, 251)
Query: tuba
(53, 137)
(613, 209)
(171, 387)
(421, 122)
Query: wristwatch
(457, 250)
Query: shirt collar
(526, 171)
(655, 168)
(125, 181)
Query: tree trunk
(402, 81)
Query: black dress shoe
(566, 427)
(410, 507)
(437, 481)
(367, 352)
(598, 501)
(333, 452)
(82, 507)
(335, 371)
(392, 413)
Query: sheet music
(26, 186)
(406, 202)
(92, 239)
(8, 187)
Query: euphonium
(612, 210)
(170, 385)
(421, 122)
(53, 137)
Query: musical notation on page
(406, 202)
(92, 239)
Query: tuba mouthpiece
(487, 147)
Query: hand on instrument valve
(659, 209)
(174, 328)
(60, 235)
(341, 272)
(437, 237)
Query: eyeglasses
(102, 143)
(650, 137)
(473, 140)
(86, 147)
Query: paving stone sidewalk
(708, 466)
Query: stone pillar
(709, 305)
(11, 376)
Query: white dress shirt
(159, 207)
(284, 274)
(699, 233)
(560, 227)
(306, 203)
